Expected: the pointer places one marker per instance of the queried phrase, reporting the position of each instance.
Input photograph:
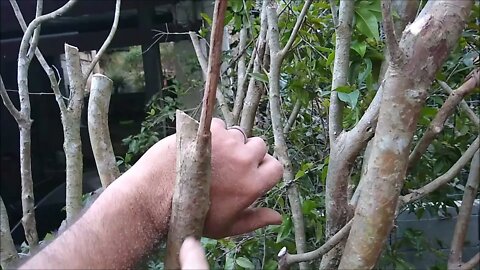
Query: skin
(129, 218)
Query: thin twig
(444, 178)
(464, 214)
(8, 102)
(293, 116)
(463, 105)
(107, 41)
(389, 30)
(438, 123)
(472, 263)
(36, 33)
(296, 28)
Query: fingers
(269, 173)
(253, 218)
(257, 147)
(192, 255)
(218, 123)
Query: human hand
(192, 255)
(241, 173)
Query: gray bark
(99, 133)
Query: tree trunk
(8, 253)
(424, 46)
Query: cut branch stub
(191, 195)
(98, 104)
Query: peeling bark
(456, 250)
(191, 197)
(99, 133)
(424, 46)
(8, 253)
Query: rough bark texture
(456, 250)
(72, 144)
(191, 196)
(8, 253)
(424, 46)
(276, 57)
(336, 201)
(98, 131)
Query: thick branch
(191, 196)
(438, 123)
(444, 178)
(99, 133)
(8, 102)
(463, 105)
(463, 218)
(390, 37)
(340, 67)
(277, 127)
(472, 263)
(71, 128)
(107, 41)
(285, 259)
(295, 29)
(8, 253)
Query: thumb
(253, 218)
(192, 255)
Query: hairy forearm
(115, 232)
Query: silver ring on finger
(245, 138)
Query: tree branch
(8, 102)
(463, 105)
(191, 196)
(107, 41)
(438, 123)
(334, 10)
(391, 40)
(99, 133)
(241, 76)
(472, 263)
(285, 259)
(36, 33)
(222, 102)
(8, 253)
(296, 28)
(255, 89)
(340, 67)
(444, 178)
(464, 214)
(51, 75)
(293, 116)
(276, 59)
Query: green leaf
(359, 47)
(237, 5)
(270, 265)
(259, 77)
(350, 98)
(367, 71)
(367, 23)
(206, 18)
(245, 263)
(344, 89)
